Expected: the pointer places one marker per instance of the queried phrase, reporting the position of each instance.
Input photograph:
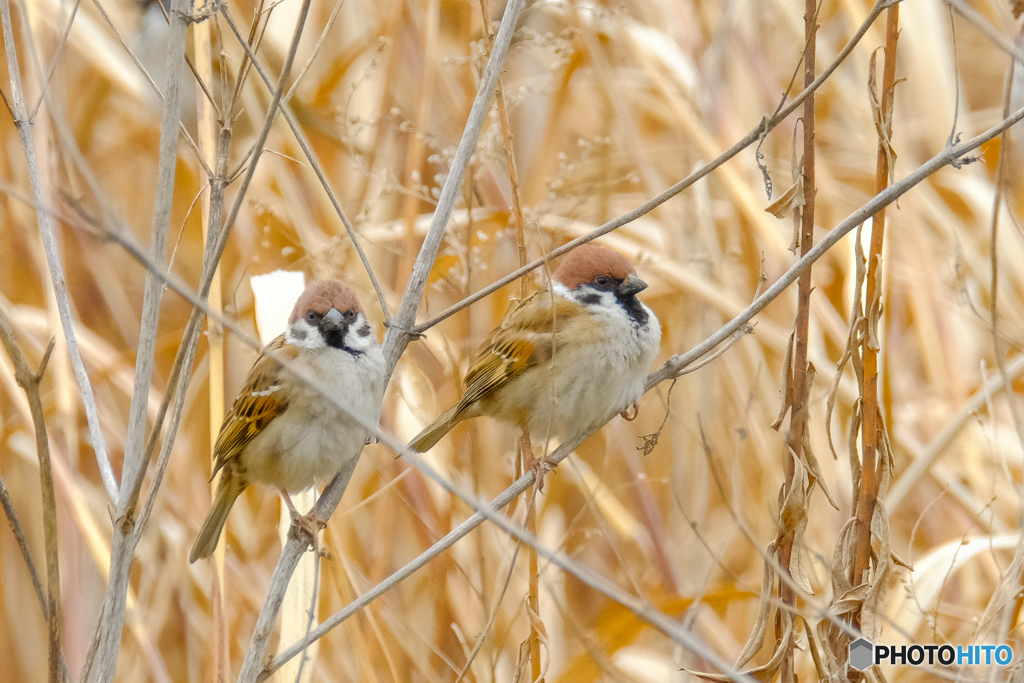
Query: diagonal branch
(944, 158)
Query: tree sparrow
(284, 433)
(566, 359)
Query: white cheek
(306, 336)
(360, 335)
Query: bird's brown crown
(323, 295)
(589, 260)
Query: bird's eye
(351, 315)
(602, 281)
(311, 317)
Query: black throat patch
(336, 339)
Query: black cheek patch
(590, 299)
(364, 331)
(298, 334)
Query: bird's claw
(540, 467)
(306, 526)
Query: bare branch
(106, 643)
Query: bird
(566, 359)
(282, 432)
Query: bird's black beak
(631, 286)
(332, 320)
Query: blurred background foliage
(609, 104)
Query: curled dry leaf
(792, 198)
(785, 387)
(764, 609)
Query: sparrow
(284, 433)
(566, 359)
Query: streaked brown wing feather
(259, 402)
(523, 340)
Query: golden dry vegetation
(609, 104)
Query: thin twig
(60, 288)
(29, 381)
(19, 536)
(490, 620)
(56, 59)
(510, 157)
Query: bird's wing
(524, 339)
(261, 400)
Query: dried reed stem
(870, 412)
(207, 134)
(793, 517)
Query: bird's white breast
(602, 375)
(312, 439)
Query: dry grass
(608, 105)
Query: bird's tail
(426, 439)
(227, 491)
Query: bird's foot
(306, 526)
(540, 467)
(626, 413)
